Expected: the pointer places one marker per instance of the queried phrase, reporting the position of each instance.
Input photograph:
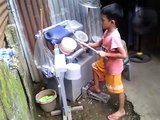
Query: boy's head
(111, 15)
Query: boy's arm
(119, 53)
(117, 48)
(96, 44)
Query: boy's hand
(102, 53)
(82, 45)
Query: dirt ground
(92, 110)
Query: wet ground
(93, 110)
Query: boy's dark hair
(113, 12)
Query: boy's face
(106, 23)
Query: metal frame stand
(62, 95)
(60, 69)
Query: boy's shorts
(113, 82)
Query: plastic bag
(43, 58)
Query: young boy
(110, 65)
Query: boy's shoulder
(116, 34)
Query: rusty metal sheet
(29, 11)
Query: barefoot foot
(116, 116)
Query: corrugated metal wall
(3, 20)
(64, 9)
(73, 10)
(29, 11)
